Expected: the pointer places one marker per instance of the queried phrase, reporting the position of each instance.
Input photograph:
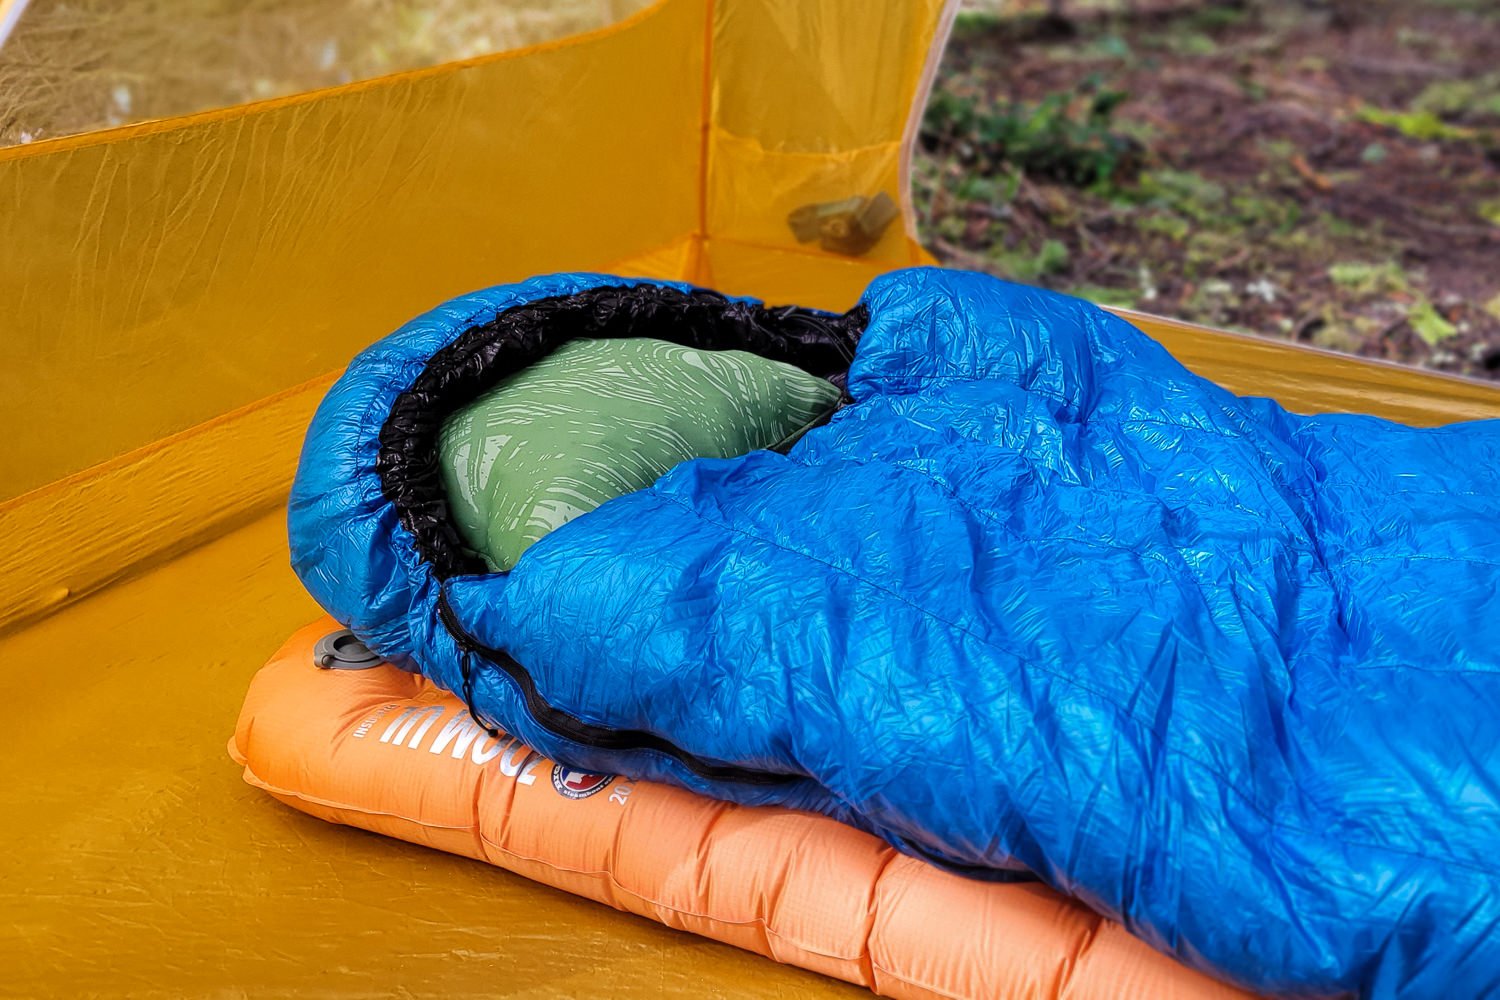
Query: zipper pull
(468, 650)
(466, 666)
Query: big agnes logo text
(460, 737)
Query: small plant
(1471, 99)
(1429, 324)
(1023, 264)
(976, 22)
(1424, 126)
(1064, 137)
(1359, 278)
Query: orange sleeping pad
(385, 750)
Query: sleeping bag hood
(1035, 602)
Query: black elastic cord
(571, 728)
(466, 667)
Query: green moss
(951, 228)
(1278, 149)
(975, 22)
(1110, 46)
(1361, 278)
(1167, 224)
(1216, 17)
(1192, 43)
(1013, 264)
(1493, 306)
(1429, 324)
(1421, 125)
(1124, 298)
(1338, 228)
(1027, 265)
(1142, 132)
(1067, 136)
(1184, 192)
(1462, 99)
(1210, 246)
(1248, 211)
(1415, 38)
(1334, 336)
(1482, 8)
(1053, 257)
(1252, 88)
(1210, 298)
(978, 187)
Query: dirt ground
(1328, 172)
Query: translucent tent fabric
(73, 66)
(177, 295)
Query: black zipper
(568, 727)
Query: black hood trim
(479, 358)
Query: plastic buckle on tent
(849, 226)
(342, 650)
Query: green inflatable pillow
(601, 418)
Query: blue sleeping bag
(1036, 599)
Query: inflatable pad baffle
(384, 750)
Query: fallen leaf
(1493, 306)
(1306, 172)
(1430, 324)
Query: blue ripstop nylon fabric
(1042, 598)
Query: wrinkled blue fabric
(1039, 597)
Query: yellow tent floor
(135, 861)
